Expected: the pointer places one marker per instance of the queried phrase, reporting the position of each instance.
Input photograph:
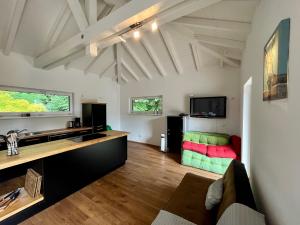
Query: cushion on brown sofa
(236, 188)
(188, 201)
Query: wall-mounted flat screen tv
(208, 107)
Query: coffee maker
(77, 122)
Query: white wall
(211, 81)
(17, 70)
(275, 155)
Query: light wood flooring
(130, 195)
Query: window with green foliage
(17, 101)
(146, 105)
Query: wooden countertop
(38, 151)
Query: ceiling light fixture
(154, 26)
(136, 34)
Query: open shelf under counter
(23, 201)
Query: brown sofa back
(237, 188)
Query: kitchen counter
(39, 151)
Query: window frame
(8, 115)
(149, 113)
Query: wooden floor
(132, 194)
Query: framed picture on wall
(276, 58)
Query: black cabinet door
(32, 141)
(56, 137)
(99, 116)
(87, 115)
(174, 133)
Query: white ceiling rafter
(137, 60)
(222, 42)
(218, 55)
(108, 68)
(78, 14)
(15, 20)
(58, 26)
(105, 11)
(91, 11)
(237, 55)
(124, 78)
(214, 24)
(153, 56)
(196, 56)
(102, 29)
(171, 49)
(130, 71)
(101, 52)
(118, 58)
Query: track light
(154, 26)
(136, 34)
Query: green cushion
(197, 160)
(206, 138)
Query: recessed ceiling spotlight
(154, 26)
(136, 34)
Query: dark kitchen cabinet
(175, 129)
(32, 141)
(94, 115)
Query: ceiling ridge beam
(58, 26)
(15, 20)
(137, 60)
(109, 67)
(91, 11)
(214, 24)
(196, 55)
(171, 49)
(130, 70)
(95, 59)
(218, 55)
(223, 42)
(78, 14)
(153, 56)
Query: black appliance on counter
(94, 115)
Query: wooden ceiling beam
(214, 24)
(130, 71)
(130, 13)
(78, 14)
(108, 68)
(218, 55)
(223, 42)
(15, 20)
(171, 49)
(137, 60)
(153, 56)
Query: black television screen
(208, 107)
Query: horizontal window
(26, 102)
(151, 105)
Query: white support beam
(214, 24)
(153, 56)
(15, 20)
(58, 26)
(110, 66)
(218, 55)
(130, 70)
(196, 56)
(137, 60)
(118, 57)
(78, 14)
(171, 49)
(223, 42)
(80, 53)
(237, 55)
(100, 53)
(105, 11)
(130, 13)
(124, 78)
(91, 11)
(184, 8)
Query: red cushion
(221, 151)
(236, 144)
(200, 148)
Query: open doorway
(246, 132)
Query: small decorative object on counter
(33, 182)
(12, 137)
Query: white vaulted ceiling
(192, 33)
